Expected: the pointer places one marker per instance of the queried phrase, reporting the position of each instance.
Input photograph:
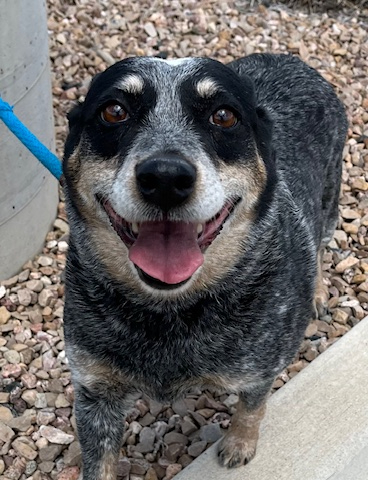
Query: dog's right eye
(114, 113)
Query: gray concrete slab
(316, 426)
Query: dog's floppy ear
(75, 124)
(75, 129)
(263, 131)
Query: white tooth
(135, 228)
(199, 228)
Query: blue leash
(43, 154)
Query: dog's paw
(234, 452)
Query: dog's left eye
(224, 118)
(114, 113)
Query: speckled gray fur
(248, 325)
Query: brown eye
(114, 113)
(224, 118)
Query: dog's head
(167, 162)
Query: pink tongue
(167, 251)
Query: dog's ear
(263, 131)
(94, 79)
(74, 115)
(75, 129)
(76, 124)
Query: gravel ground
(37, 426)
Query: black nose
(166, 181)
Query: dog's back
(309, 131)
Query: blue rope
(43, 154)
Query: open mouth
(165, 253)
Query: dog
(200, 197)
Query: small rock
(29, 396)
(147, 420)
(348, 262)
(45, 297)
(188, 427)
(160, 429)
(175, 437)
(340, 316)
(185, 460)
(173, 470)
(231, 400)
(15, 470)
(54, 435)
(11, 370)
(72, 456)
(146, 440)
(31, 467)
(151, 475)
(50, 452)
(139, 467)
(150, 29)
(35, 317)
(210, 433)
(23, 276)
(6, 433)
(174, 451)
(4, 315)
(22, 423)
(61, 401)
(180, 407)
(45, 418)
(206, 412)
(4, 397)
(10, 283)
(61, 225)
(63, 246)
(29, 380)
(60, 37)
(311, 330)
(198, 418)
(12, 356)
(155, 408)
(197, 448)
(46, 467)
(359, 184)
(41, 401)
(5, 415)
(25, 296)
(35, 285)
(2, 291)
(24, 450)
(69, 473)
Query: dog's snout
(166, 181)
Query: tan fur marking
(131, 84)
(249, 181)
(224, 252)
(87, 176)
(90, 371)
(207, 87)
(239, 445)
(321, 294)
(108, 467)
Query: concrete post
(28, 193)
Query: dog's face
(166, 164)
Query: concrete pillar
(28, 193)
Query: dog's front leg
(100, 417)
(102, 398)
(239, 444)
